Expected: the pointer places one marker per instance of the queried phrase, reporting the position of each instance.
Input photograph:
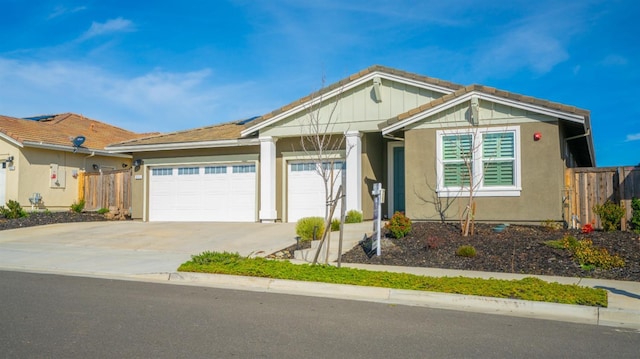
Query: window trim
(477, 162)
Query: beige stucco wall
(541, 170)
(139, 187)
(31, 173)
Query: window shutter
(498, 151)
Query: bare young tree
(322, 143)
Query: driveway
(133, 247)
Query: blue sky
(167, 65)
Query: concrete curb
(502, 306)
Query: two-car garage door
(212, 192)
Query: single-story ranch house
(41, 157)
(417, 135)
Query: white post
(354, 170)
(268, 179)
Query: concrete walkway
(146, 251)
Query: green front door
(398, 179)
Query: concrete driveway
(133, 247)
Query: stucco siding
(541, 172)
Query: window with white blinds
(485, 160)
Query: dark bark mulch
(42, 218)
(518, 249)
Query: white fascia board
(419, 116)
(185, 145)
(532, 108)
(512, 103)
(11, 140)
(48, 146)
(345, 88)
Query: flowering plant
(587, 228)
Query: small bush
(103, 210)
(306, 225)
(399, 225)
(587, 228)
(434, 242)
(610, 215)
(589, 256)
(353, 216)
(466, 251)
(78, 206)
(335, 225)
(551, 225)
(635, 216)
(13, 210)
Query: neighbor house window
(485, 160)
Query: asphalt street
(50, 316)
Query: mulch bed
(518, 249)
(42, 218)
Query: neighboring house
(414, 134)
(38, 155)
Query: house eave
(73, 149)
(185, 145)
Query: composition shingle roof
(225, 131)
(61, 129)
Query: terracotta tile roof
(343, 82)
(489, 91)
(224, 131)
(60, 129)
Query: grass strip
(529, 288)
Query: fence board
(591, 186)
(107, 189)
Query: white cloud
(614, 60)
(61, 10)
(154, 101)
(633, 137)
(111, 26)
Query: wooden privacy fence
(105, 189)
(589, 186)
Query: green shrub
(335, 225)
(103, 210)
(399, 225)
(466, 251)
(635, 216)
(589, 256)
(78, 206)
(306, 225)
(13, 210)
(353, 216)
(610, 215)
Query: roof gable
(333, 90)
(558, 110)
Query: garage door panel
(209, 193)
(306, 192)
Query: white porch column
(268, 179)
(354, 170)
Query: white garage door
(216, 192)
(3, 183)
(305, 190)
